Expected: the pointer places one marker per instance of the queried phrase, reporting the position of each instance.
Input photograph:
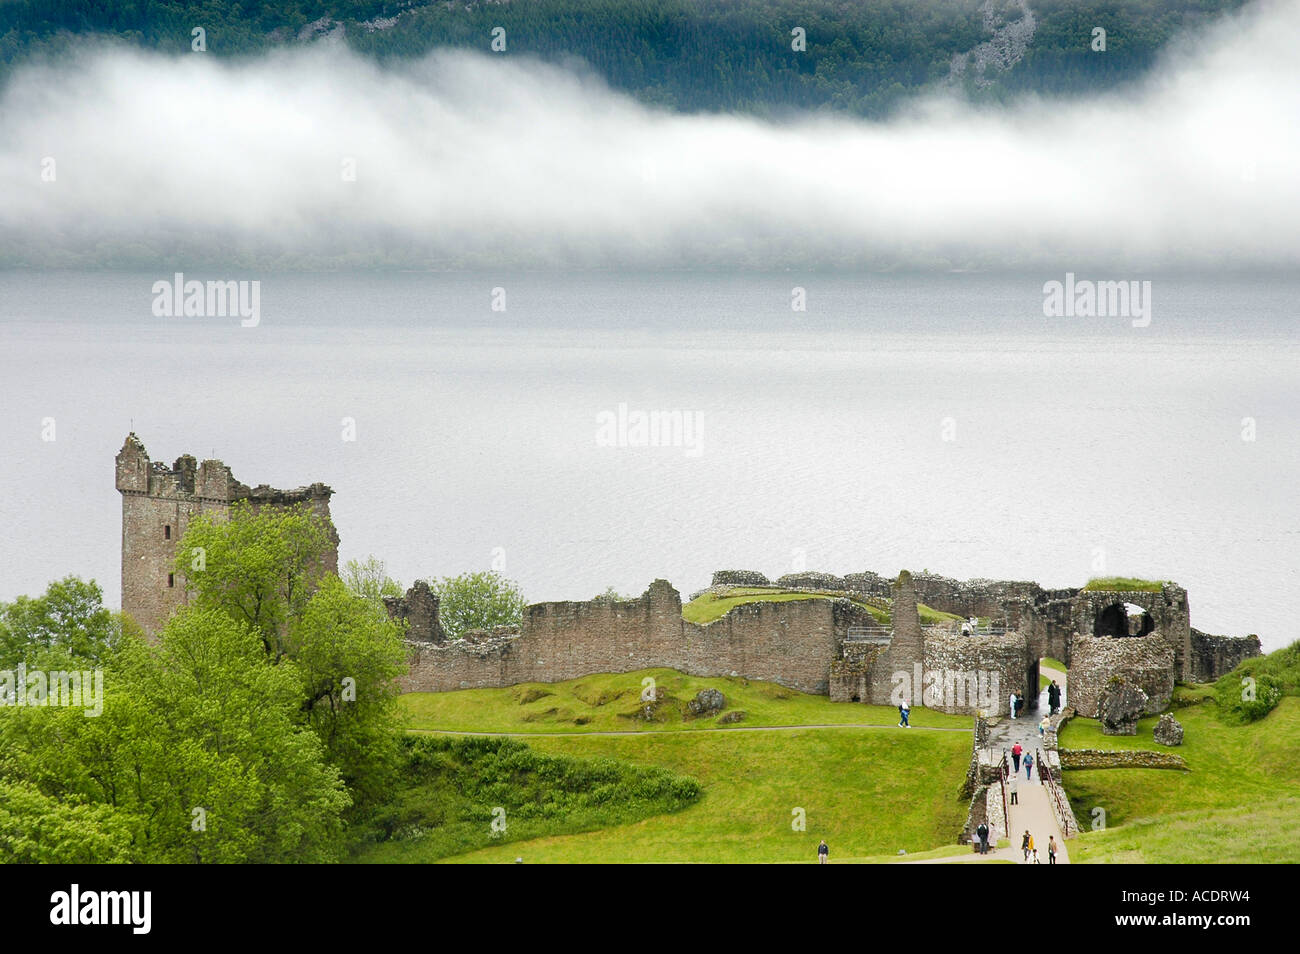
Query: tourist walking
(1051, 849)
(1053, 698)
(1015, 757)
(823, 853)
(1013, 702)
(1029, 764)
(903, 712)
(1044, 726)
(1027, 844)
(1011, 783)
(982, 831)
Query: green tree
(38, 829)
(347, 658)
(263, 569)
(201, 753)
(67, 621)
(258, 567)
(477, 601)
(369, 579)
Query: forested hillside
(861, 58)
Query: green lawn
(708, 607)
(1055, 664)
(868, 792)
(1240, 801)
(607, 702)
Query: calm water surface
(928, 422)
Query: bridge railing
(1002, 783)
(1061, 805)
(869, 635)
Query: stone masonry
(158, 503)
(791, 643)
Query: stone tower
(158, 503)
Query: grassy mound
(1124, 583)
(459, 794)
(708, 607)
(1255, 687)
(612, 702)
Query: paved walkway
(1033, 809)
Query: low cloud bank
(319, 158)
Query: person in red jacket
(1015, 757)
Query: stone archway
(1123, 620)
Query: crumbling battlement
(158, 503)
(792, 643)
(418, 610)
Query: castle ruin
(832, 642)
(158, 503)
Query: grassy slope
(1239, 803)
(868, 792)
(444, 801)
(602, 703)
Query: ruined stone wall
(973, 597)
(1044, 617)
(1147, 661)
(739, 578)
(158, 503)
(1073, 759)
(1168, 608)
(418, 611)
(792, 643)
(1215, 656)
(967, 673)
(868, 584)
(906, 650)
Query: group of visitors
(1031, 851)
(1027, 846)
(1016, 702)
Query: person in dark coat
(983, 832)
(1053, 698)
